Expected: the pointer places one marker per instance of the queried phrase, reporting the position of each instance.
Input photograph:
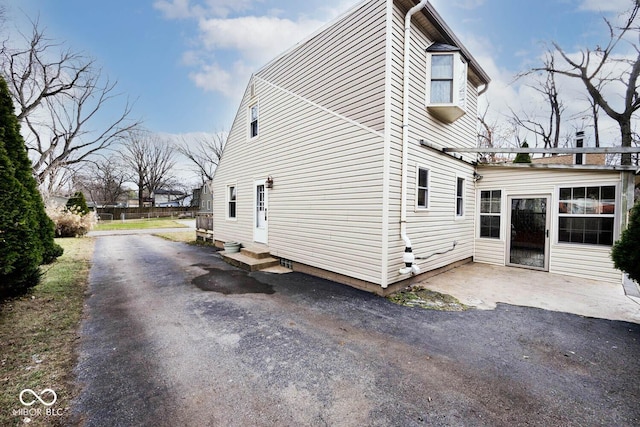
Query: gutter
(408, 258)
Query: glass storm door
(260, 228)
(529, 232)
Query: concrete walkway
(484, 285)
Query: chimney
(580, 157)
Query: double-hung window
(459, 197)
(446, 82)
(490, 203)
(441, 79)
(253, 121)
(423, 188)
(586, 215)
(231, 202)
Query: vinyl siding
(588, 261)
(436, 229)
(341, 68)
(322, 142)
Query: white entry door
(260, 212)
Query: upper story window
(446, 82)
(253, 121)
(441, 79)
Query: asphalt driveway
(174, 336)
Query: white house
(333, 163)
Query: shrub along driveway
(173, 336)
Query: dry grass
(180, 236)
(138, 224)
(38, 338)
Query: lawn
(38, 337)
(137, 224)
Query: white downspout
(408, 257)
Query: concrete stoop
(251, 258)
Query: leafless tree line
(601, 71)
(65, 106)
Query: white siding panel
(434, 230)
(325, 206)
(587, 261)
(341, 68)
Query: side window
(441, 79)
(446, 84)
(490, 204)
(586, 215)
(231, 202)
(460, 197)
(422, 188)
(253, 121)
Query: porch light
(269, 182)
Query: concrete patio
(484, 285)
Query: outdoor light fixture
(269, 182)
(476, 176)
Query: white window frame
(461, 197)
(253, 105)
(491, 214)
(558, 215)
(459, 80)
(427, 188)
(228, 202)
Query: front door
(529, 232)
(260, 216)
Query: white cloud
(181, 9)
(226, 33)
(230, 82)
(256, 38)
(606, 6)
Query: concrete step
(247, 262)
(256, 251)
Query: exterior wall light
(269, 182)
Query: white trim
(227, 201)
(254, 103)
(417, 181)
(260, 235)
(386, 163)
(501, 215)
(547, 236)
(459, 69)
(617, 215)
(325, 109)
(464, 198)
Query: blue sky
(186, 62)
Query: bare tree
(60, 95)
(149, 159)
(103, 180)
(204, 153)
(547, 87)
(594, 69)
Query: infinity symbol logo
(37, 397)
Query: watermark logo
(33, 397)
(29, 398)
